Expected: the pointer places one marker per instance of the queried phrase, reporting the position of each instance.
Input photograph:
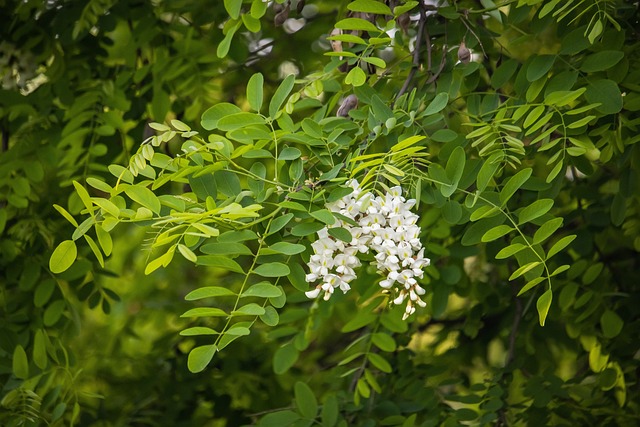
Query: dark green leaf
(284, 358)
(20, 364)
(611, 324)
(305, 400)
(539, 66)
(601, 61)
(607, 94)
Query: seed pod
(279, 19)
(348, 104)
(464, 54)
(300, 6)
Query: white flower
(387, 226)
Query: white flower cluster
(386, 225)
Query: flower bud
(282, 16)
(348, 104)
(464, 54)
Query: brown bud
(336, 45)
(348, 104)
(282, 16)
(403, 22)
(300, 6)
(464, 54)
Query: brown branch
(416, 51)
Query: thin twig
(514, 329)
(416, 51)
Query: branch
(416, 51)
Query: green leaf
(212, 115)
(187, 253)
(454, 171)
(356, 77)
(239, 120)
(384, 342)
(225, 44)
(323, 215)
(378, 62)
(531, 284)
(239, 331)
(270, 316)
(284, 358)
(252, 24)
(279, 419)
(255, 91)
(360, 320)
(227, 248)
(560, 245)
(546, 230)
(20, 363)
(287, 248)
(220, 262)
(204, 312)
(280, 95)
(607, 94)
(84, 197)
(305, 400)
(63, 256)
(258, 8)
(341, 233)
(510, 250)
(104, 238)
(143, 196)
(514, 183)
(329, 413)
(64, 213)
(198, 330)
(289, 153)
(40, 350)
(543, 304)
(306, 228)
(208, 292)
(437, 104)
(262, 290)
(539, 66)
(503, 73)
(611, 324)
(200, 357)
(369, 6)
(534, 210)
(379, 362)
(496, 232)
(524, 269)
(251, 309)
(272, 269)
(601, 61)
(279, 223)
(356, 24)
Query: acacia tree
(429, 215)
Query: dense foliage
(233, 213)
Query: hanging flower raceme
(386, 225)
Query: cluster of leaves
(523, 162)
